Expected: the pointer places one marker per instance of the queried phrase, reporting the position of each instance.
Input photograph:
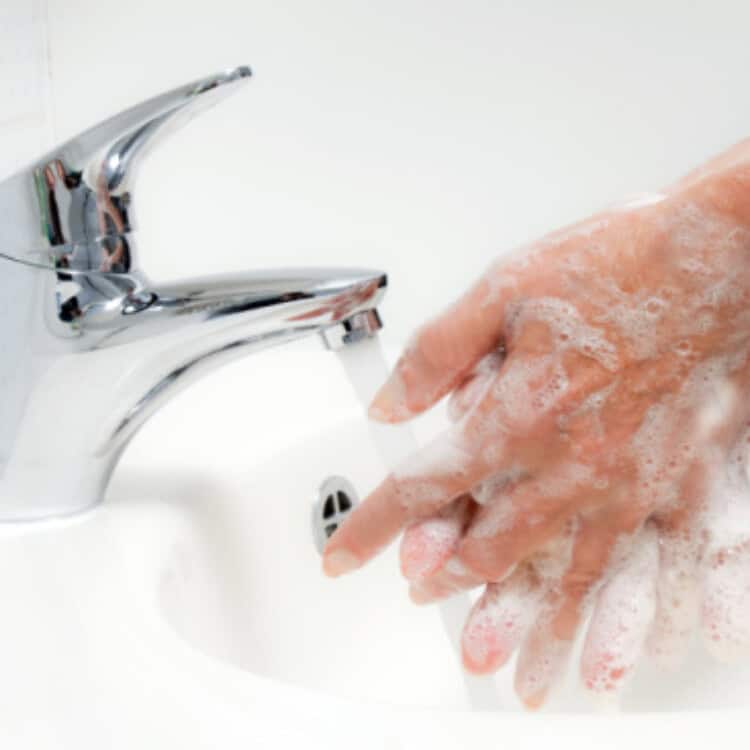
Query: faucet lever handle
(99, 163)
(113, 146)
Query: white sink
(189, 609)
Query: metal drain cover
(336, 500)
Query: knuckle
(579, 582)
(481, 559)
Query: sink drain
(336, 500)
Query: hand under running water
(601, 422)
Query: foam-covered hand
(599, 384)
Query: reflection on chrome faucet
(91, 346)
(96, 218)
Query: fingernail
(534, 702)
(338, 562)
(389, 404)
(487, 665)
(481, 650)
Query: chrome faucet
(90, 347)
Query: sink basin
(189, 609)
(246, 587)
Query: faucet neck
(92, 348)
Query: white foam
(554, 559)
(665, 324)
(470, 394)
(428, 542)
(520, 403)
(542, 661)
(677, 600)
(726, 604)
(622, 616)
(568, 327)
(566, 478)
(446, 455)
(498, 518)
(501, 618)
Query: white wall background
(25, 118)
(423, 137)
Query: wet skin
(599, 386)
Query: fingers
(499, 621)
(428, 558)
(452, 578)
(725, 612)
(541, 662)
(501, 534)
(516, 414)
(677, 601)
(600, 536)
(428, 545)
(622, 618)
(726, 604)
(681, 546)
(726, 579)
(428, 482)
(444, 351)
(545, 653)
(517, 521)
(471, 391)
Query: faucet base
(91, 347)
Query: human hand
(604, 415)
(673, 576)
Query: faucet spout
(91, 346)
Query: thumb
(444, 351)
